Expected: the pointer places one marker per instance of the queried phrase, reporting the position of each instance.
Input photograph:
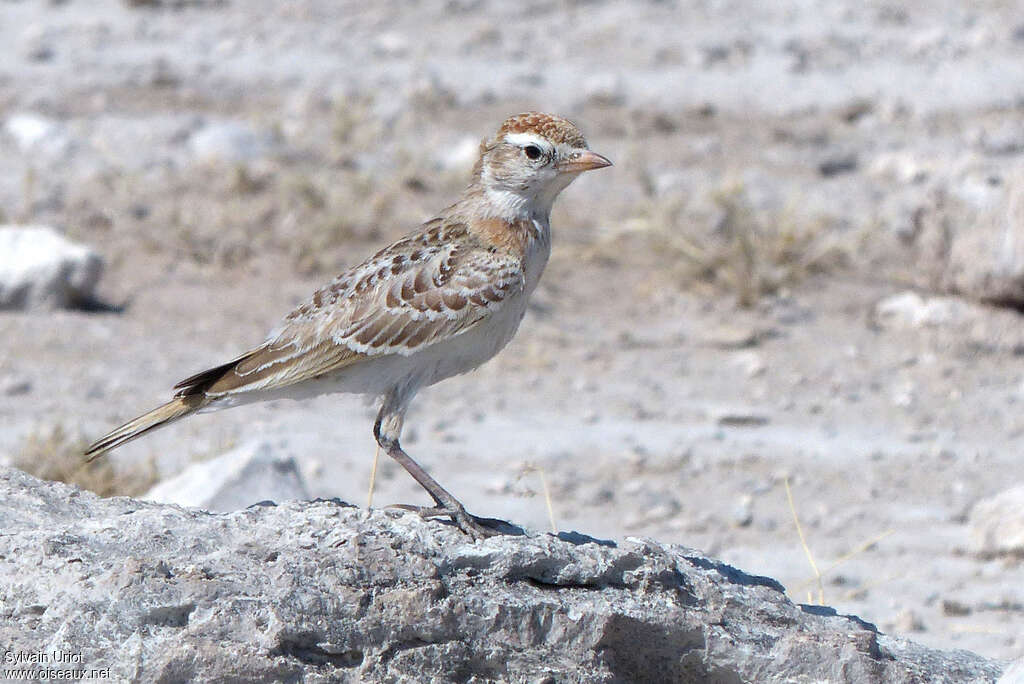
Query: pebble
(733, 337)
(15, 386)
(462, 155)
(742, 420)
(907, 621)
(743, 512)
(900, 167)
(230, 141)
(751, 363)
(605, 89)
(840, 164)
(391, 44)
(32, 132)
(911, 310)
(953, 608)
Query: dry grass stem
(373, 478)
(807, 549)
(847, 556)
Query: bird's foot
(477, 528)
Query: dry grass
(818, 574)
(55, 455)
(746, 253)
(347, 177)
(716, 239)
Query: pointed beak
(584, 160)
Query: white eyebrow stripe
(524, 139)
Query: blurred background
(794, 300)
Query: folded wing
(410, 295)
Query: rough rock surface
(247, 474)
(987, 256)
(322, 591)
(972, 240)
(1014, 674)
(41, 268)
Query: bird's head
(531, 159)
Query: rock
(908, 621)
(953, 608)
(322, 591)
(837, 164)
(743, 511)
(911, 310)
(997, 525)
(901, 167)
(28, 130)
(750, 362)
(1014, 674)
(742, 420)
(230, 141)
(37, 134)
(461, 156)
(734, 337)
(391, 44)
(969, 239)
(605, 89)
(986, 255)
(249, 474)
(15, 386)
(39, 268)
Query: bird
(438, 302)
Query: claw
(477, 528)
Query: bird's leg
(387, 430)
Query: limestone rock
(997, 524)
(244, 476)
(324, 592)
(39, 268)
(971, 239)
(1014, 674)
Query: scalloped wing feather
(421, 290)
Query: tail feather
(178, 407)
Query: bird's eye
(532, 152)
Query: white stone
(1014, 674)
(911, 310)
(462, 155)
(899, 167)
(230, 141)
(750, 362)
(997, 524)
(246, 475)
(605, 88)
(40, 268)
(391, 44)
(29, 130)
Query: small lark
(439, 302)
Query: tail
(179, 407)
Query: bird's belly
(474, 347)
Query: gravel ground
(229, 157)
